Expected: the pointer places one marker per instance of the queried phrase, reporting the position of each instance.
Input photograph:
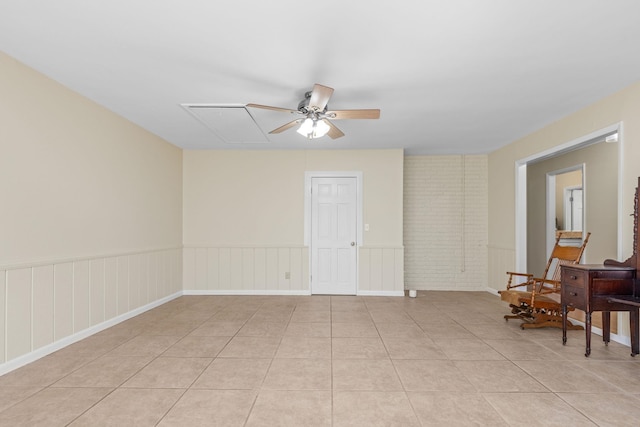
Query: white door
(333, 236)
(576, 209)
(573, 209)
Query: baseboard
(302, 292)
(60, 344)
(619, 339)
(492, 291)
(380, 293)
(240, 292)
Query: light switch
(366, 227)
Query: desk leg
(587, 331)
(634, 316)
(606, 327)
(564, 324)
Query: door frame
(308, 176)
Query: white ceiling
(450, 76)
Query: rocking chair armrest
(511, 274)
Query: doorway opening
(565, 201)
(521, 199)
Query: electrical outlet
(287, 275)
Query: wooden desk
(591, 287)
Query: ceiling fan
(314, 115)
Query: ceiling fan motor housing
(303, 106)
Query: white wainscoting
(381, 271)
(263, 271)
(49, 305)
(246, 270)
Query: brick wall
(445, 222)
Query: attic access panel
(234, 124)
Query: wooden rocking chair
(537, 300)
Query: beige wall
(244, 217)
(624, 107)
(600, 189)
(79, 180)
(91, 221)
(257, 197)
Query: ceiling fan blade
(286, 126)
(319, 97)
(334, 132)
(354, 114)
(268, 107)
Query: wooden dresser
(589, 287)
(613, 286)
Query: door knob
(353, 243)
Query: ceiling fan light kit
(313, 128)
(316, 123)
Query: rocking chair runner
(537, 302)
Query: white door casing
(334, 235)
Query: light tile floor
(442, 359)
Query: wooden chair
(536, 301)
